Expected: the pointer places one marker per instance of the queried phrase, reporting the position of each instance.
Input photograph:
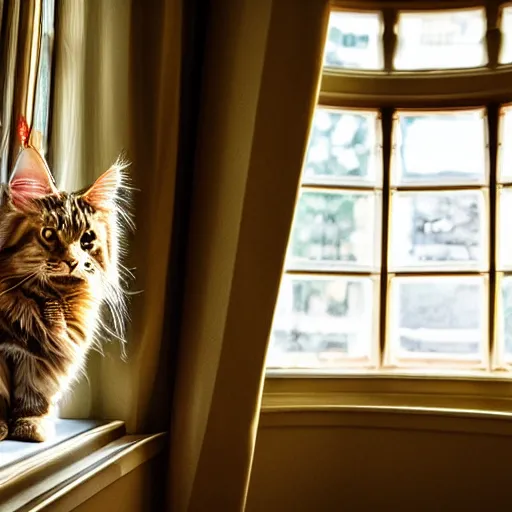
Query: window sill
(85, 457)
(462, 397)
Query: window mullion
(387, 140)
(493, 115)
(389, 37)
(493, 34)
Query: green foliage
(323, 218)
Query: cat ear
(103, 192)
(30, 179)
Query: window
(354, 41)
(399, 257)
(506, 31)
(441, 40)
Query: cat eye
(87, 239)
(49, 234)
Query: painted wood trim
(22, 473)
(69, 486)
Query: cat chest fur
(42, 327)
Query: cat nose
(72, 264)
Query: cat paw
(4, 430)
(35, 430)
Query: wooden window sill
(456, 397)
(85, 457)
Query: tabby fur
(59, 267)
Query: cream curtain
(117, 88)
(9, 37)
(26, 42)
(261, 77)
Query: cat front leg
(4, 397)
(33, 389)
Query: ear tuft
(31, 179)
(103, 193)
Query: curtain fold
(9, 41)
(68, 109)
(26, 40)
(43, 95)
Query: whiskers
(19, 283)
(126, 274)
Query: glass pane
(438, 319)
(322, 322)
(438, 230)
(441, 40)
(505, 319)
(504, 256)
(505, 145)
(354, 41)
(334, 230)
(506, 36)
(344, 147)
(439, 148)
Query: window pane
(344, 147)
(436, 320)
(334, 230)
(506, 36)
(322, 322)
(504, 256)
(438, 230)
(505, 320)
(441, 40)
(505, 145)
(439, 148)
(354, 41)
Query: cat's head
(68, 241)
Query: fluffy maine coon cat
(58, 266)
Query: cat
(59, 267)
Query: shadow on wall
(341, 462)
